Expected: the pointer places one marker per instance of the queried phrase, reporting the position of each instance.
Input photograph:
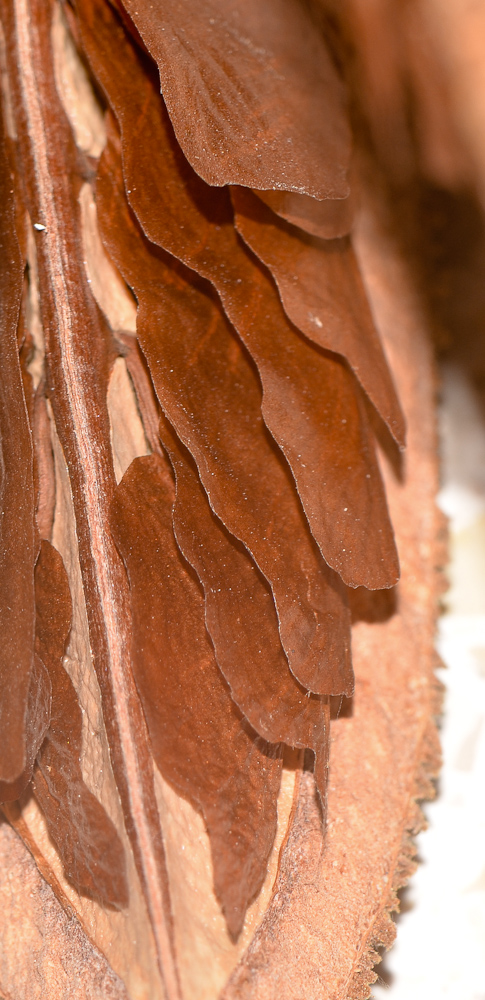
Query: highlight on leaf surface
(271, 136)
(191, 484)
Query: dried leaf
(90, 849)
(289, 133)
(200, 742)
(333, 461)
(210, 393)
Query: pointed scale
(18, 547)
(209, 756)
(240, 613)
(210, 393)
(241, 621)
(252, 92)
(311, 402)
(239, 610)
(78, 350)
(87, 841)
(323, 295)
(240, 616)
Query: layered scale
(207, 571)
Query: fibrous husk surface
(220, 567)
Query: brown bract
(331, 902)
(330, 452)
(241, 619)
(239, 608)
(322, 293)
(90, 849)
(252, 92)
(205, 471)
(201, 743)
(44, 949)
(209, 391)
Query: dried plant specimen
(192, 393)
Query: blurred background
(440, 948)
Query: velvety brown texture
(322, 293)
(211, 395)
(17, 537)
(46, 954)
(252, 92)
(325, 219)
(89, 847)
(210, 755)
(78, 356)
(323, 432)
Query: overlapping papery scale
(210, 392)
(223, 200)
(310, 401)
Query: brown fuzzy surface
(44, 953)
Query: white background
(440, 949)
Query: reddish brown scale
(240, 615)
(311, 402)
(36, 720)
(289, 133)
(209, 391)
(240, 618)
(323, 295)
(210, 756)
